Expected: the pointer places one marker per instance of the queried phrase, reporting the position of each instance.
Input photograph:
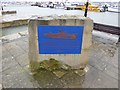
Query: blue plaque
(60, 39)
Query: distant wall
(14, 23)
(97, 26)
(107, 28)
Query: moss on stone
(54, 66)
(60, 73)
(50, 64)
(34, 66)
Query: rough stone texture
(74, 60)
(98, 75)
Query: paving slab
(16, 75)
(0, 58)
(8, 63)
(0, 79)
(102, 70)
(22, 44)
(14, 49)
(98, 64)
(112, 71)
(113, 61)
(22, 59)
(72, 80)
(5, 53)
(90, 76)
(104, 81)
(28, 71)
(9, 77)
(46, 79)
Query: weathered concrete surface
(102, 69)
(74, 60)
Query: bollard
(63, 38)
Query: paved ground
(102, 68)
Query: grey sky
(68, 0)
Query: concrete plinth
(76, 61)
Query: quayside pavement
(102, 70)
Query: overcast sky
(68, 0)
